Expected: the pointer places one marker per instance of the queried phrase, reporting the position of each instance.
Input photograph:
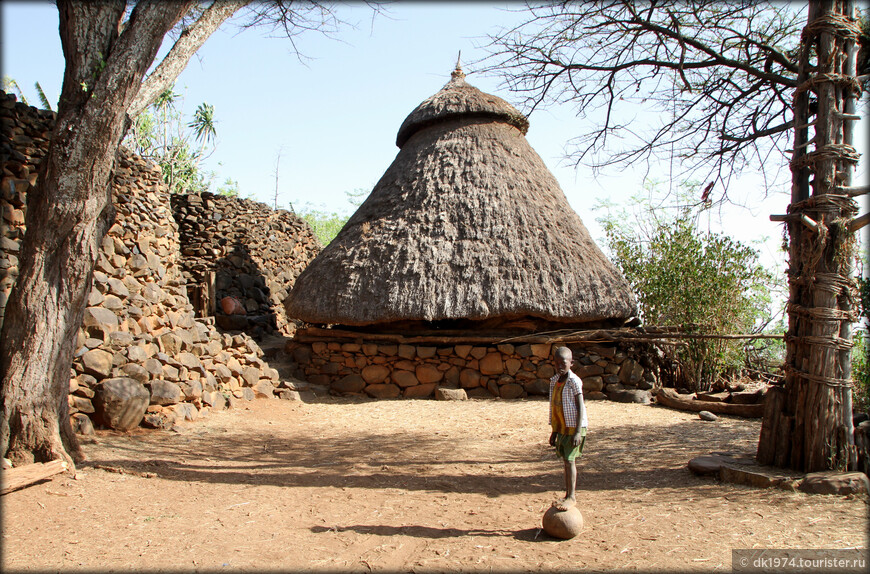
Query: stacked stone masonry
(484, 371)
(141, 337)
(253, 253)
(142, 357)
(23, 144)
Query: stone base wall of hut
(485, 371)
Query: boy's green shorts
(565, 445)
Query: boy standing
(568, 420)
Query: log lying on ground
(670, 398)
(21, 476)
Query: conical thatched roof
(467, 223)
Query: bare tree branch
(704, 83)
(287, 18)
(191, 39)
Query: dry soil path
(352, 485)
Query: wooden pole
(312, 334)
(22, 476)
(670, 398)
(809, 428)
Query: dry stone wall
(142, 356)
(483, 371)
(140, 329)
(23, 144)
(251, 252)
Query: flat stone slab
(834, 482)
(706, 465)
(757, 476)
(742, 469)
(710, 464)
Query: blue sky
(334, 117)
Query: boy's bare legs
(570, 487)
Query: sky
(333, 115)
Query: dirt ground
(414, 486)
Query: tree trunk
(68, 214)
(808, 424)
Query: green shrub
(327, 224)
(860, 373)
(699, 281)
(324, 224)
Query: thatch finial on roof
(458, 99)
(458, 74)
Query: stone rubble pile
(484, 371)
(254, 253)
(142, 357)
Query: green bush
(161, 135)
(325, 225)
(701, 282)
(860, 373)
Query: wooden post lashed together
(807, 422)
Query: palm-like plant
(166, 99)
(204, 131)
(9, 84)
(160, 134)
(42, 97)
(203, 123)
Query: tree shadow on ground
(622, 457)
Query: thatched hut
(466, 229)
(463, 253)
